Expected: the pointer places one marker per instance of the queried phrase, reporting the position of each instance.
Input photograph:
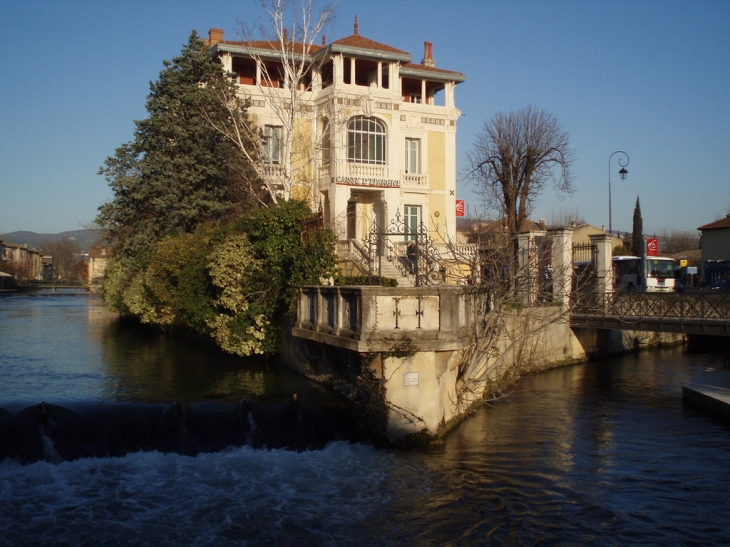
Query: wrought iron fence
(652, 306)
(583, 253)
(422, 262)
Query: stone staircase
(355, 252)
(391, 270)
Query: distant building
(715, 246)
(98, 260)
(485, 231)
(688, 265)
(21, 261)
(582, 233)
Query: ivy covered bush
(237, 284)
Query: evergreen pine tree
(637, 236)
(178, 171)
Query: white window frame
(272, 144)
(326, 142)
(412, 163)
(412, 215)
(366, 141)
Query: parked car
(720, 285)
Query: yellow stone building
(374, 139)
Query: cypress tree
(178, 171)
(637, 236)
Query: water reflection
(583, 454)
(66, 349)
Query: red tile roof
(356, 40)
(270, 45)
(353, 41)
(430, 69)
(722, 223)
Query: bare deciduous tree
(509, 313)
(675, 241)
(514, 157)
(566, 217)
(289, 31)
(65, 253)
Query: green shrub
(237, 284)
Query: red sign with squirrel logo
(459, 207)
(652, 246)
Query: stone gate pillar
(528, 265)
(562, 262)
(602, 254)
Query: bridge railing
(698, 306)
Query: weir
(55, 433)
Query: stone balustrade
(366, 170)
(414, 180)
(382, 319)
(274, 171)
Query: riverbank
(710, 392)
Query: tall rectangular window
(412, 219)
(272, 144)
(325, 142)
(413, 156)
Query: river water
(593, 454)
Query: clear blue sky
(649, 77)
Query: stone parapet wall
(373, 319)
(598, 342)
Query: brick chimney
(428, 55)
(215, 35)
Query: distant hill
(84, 238)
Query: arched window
(366, 141)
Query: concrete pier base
(400, 353)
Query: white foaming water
(50, 453)
(241, 496)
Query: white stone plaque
(410, 379)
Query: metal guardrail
(697, 313)
(689, 306)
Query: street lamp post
(622, 173)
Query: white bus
(651, 274)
